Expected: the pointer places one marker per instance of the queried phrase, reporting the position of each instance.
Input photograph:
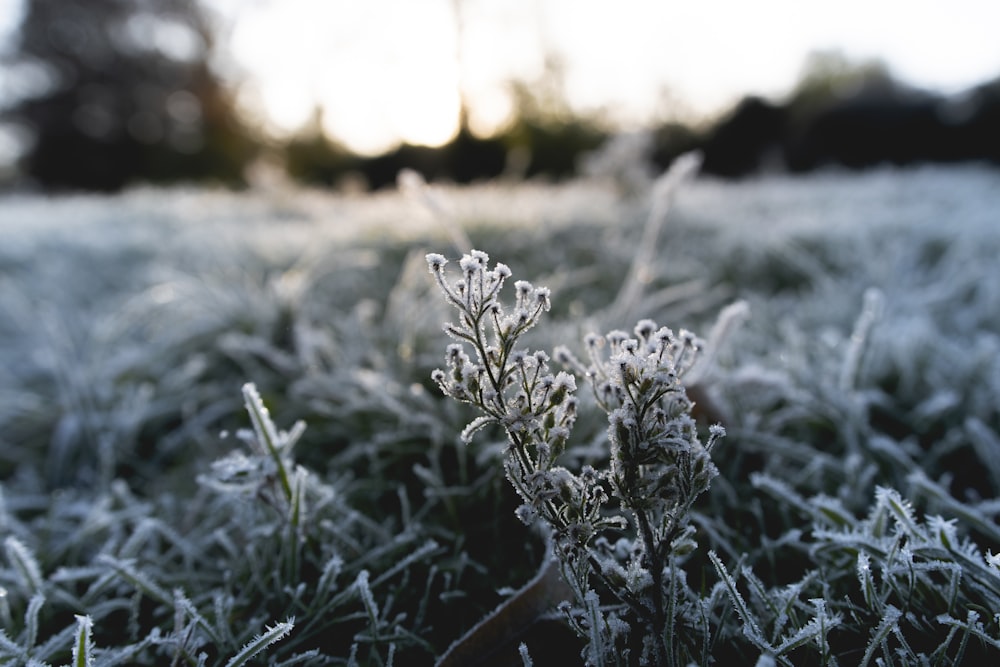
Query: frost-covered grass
(158, 508)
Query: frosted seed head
(644, 329)
(593, 341)
(436, 262)
(664, 379)
(473, 263)
(664, 336)
(566, 381)
(501, 271)
(544, 450)
(580, 532)
(559, 434)
(617, 337)
(492, 355)
(542, 295)
(564, 357)
(526, 514)
(469, 371)
(637, 577)
(569, 410)
(564, 385)
(688, 339)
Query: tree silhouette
(128, 95)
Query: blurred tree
(829, 80)
(125, 93)
(546, 133)
(975, 116)
(312, 157)
(857, 115)
(829, 76)
(741, 143)
(671, 139)
(545, 138)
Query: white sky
(388, 70)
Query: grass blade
(258, 644)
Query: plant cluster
(621, 534)
(657, 466)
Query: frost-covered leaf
(261, 642)
(83, 647)
(25, 565)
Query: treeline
(840, 113)
(114, 93)
(855, 116)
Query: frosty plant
(657, 464)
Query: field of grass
(152, 514)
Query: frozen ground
(53, 248)
(871, 358)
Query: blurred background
(103, 94)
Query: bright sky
(389, 70)
(386, 71)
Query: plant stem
(655, 566)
